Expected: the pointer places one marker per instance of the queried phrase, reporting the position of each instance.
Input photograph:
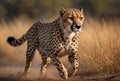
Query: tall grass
(16, 27)
(99, 44)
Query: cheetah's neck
(67, 35)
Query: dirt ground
(76, 78)
(12, 73)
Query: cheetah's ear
(81, 9)
(62, 11)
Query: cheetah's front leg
(61, 69)
(74, 65)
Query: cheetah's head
(72, 19)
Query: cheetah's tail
(16, 42)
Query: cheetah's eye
(71, 18)
(81, 18)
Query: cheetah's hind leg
(45, 62)
(29, 57)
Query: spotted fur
(54, 40)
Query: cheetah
(53, 40)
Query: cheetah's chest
(67, 49)
(68, 46)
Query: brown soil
(12, 73)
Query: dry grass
(99, 45)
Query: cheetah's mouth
(76, 28)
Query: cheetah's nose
(78, 27)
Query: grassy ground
(99, 52)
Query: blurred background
(99, 43)
(33, 9)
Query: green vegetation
(38, 8)
(32, 8)
(104, 8)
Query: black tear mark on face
(72, 26)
